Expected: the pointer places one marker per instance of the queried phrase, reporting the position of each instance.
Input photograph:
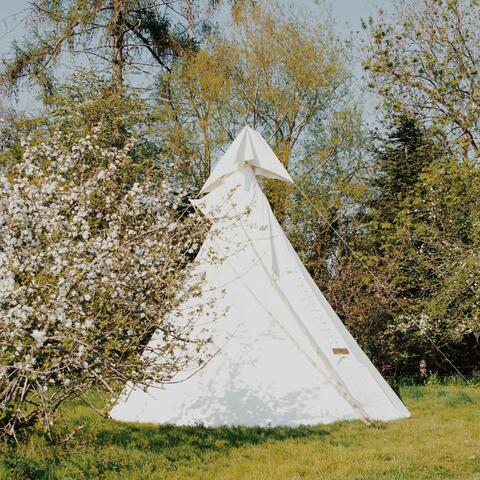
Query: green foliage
(441, 440)
(418, 236)
(332, 173)
(441, 222)
(399, 161)
(424, 60)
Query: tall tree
(422, 244)
(110, 35)
(398, 162)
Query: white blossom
(84, 258)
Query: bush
(92, 260)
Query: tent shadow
(183, 443)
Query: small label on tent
(340, 351)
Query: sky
(348, 15)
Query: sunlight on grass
(442, 440)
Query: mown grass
(441, 441)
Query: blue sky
(348, 13)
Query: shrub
(92, 260)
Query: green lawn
(442, 440)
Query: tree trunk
(423, 367)
(117, 33)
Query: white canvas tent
(283, 355)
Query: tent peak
(249, 147)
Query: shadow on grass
(183, 443)
(161, 446)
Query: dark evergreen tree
(398, 161)
(110, 35)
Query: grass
(441, 441)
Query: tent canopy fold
(248, 147)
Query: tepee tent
(283, 357)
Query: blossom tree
(93, 262)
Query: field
(441, 441)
